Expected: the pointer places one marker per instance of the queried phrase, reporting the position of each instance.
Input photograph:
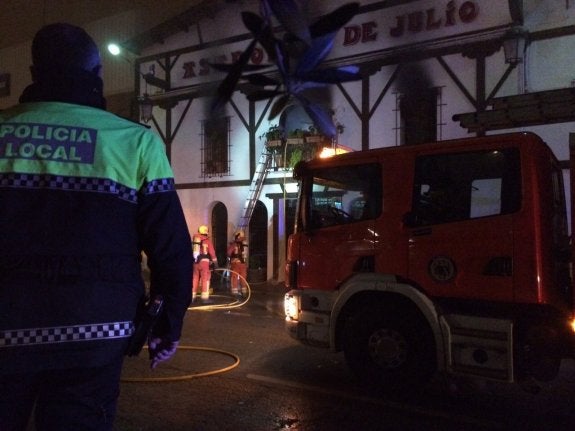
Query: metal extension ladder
(256, 186)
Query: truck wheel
(390, 348)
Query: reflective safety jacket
(203, 248)
(82, 193)
(237, 251)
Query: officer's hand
(160, 350)
(213, 265)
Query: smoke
(414, 84)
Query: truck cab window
(456, 187)
(345, 194)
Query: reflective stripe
(69, 183)
(62, 334)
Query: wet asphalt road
(239, 370)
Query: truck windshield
(343, 194)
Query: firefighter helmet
(203, 229)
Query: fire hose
(236, 303)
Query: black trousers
(62, 400)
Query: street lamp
(514, 44)
(114, 49)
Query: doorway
(220, 232)
(258, 244)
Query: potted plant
(311, 135)
(273, 136)
(275, 143)
(295, 137)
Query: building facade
(430, 70)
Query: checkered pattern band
(87, 184)
(160, 185)
(63, 334)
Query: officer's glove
(213, 265)
(160, 350)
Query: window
(455, 187)
(418, 115)
(345, 194)
(215, 147)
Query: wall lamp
(146, 108)
(514, 44)
(144, 102)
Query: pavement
(267, 294)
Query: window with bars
(216, 147)
(419, 117)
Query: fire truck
(450, 258)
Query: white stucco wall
(535, 74)
(548, 65)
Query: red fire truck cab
(450, 257)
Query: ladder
(255, 188)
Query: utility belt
(203, 257)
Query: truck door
(339, 204)
(460, 230)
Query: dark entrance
(258, 244)
(220, 231)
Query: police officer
(204, 261)
(83, 193)
(236, 253)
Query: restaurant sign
(378, 30)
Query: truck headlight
(291, 307)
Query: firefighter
(90, 194)
(205, 261)
(237, 255)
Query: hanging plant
(296, 155)
(274, 138)
(274, 133)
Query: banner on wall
(416, 22)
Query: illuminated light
(114, 49)
(327, 152)
(572, 324)
(291, 307)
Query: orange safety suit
(236, 254)
(202, 272)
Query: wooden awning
(530, 109)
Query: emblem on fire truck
(442, 269)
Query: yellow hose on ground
(235, 304)
(188, 376)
